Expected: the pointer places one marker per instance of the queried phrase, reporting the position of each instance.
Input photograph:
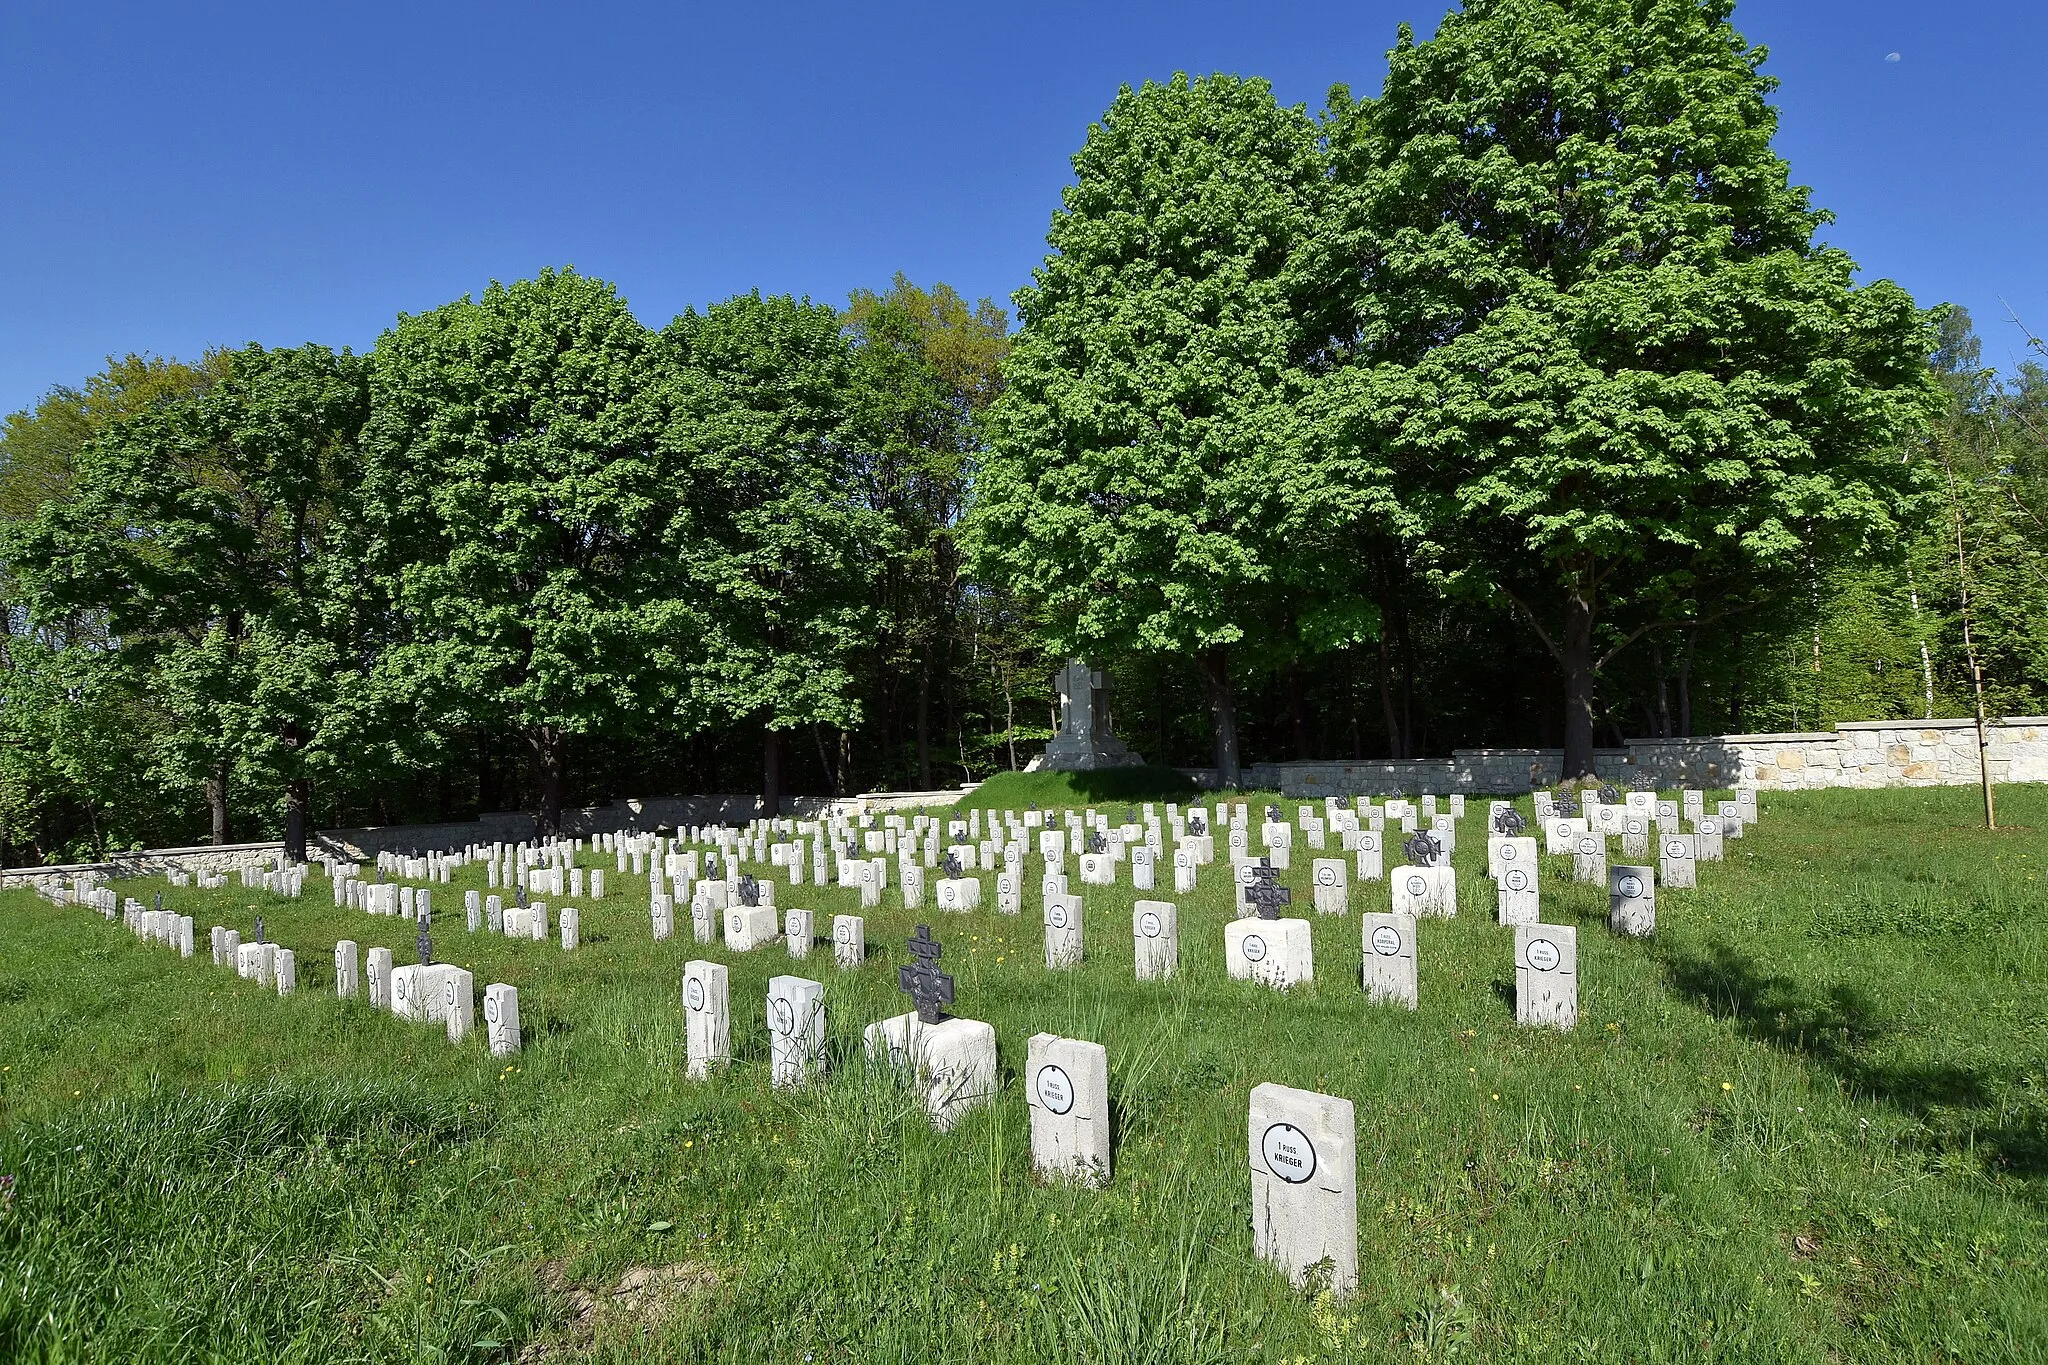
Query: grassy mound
(1016, 791)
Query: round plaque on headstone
(1057, 917)
(1326, 876)
(491, 1010)
(1588, 846)
(693, 993)
(1508, 853)
(1543, 955)
(1515, 879)
(1148, 924)
(1630, 886)
(1288, 1153)
(1709, 825)
(1369, 842)
(781, 1017)
(1254, 948)
(737, 923)
(1675, 848)
(1055, 1088)
(1386, 940)
(1418, 886)
(844, 933)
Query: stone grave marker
(1635, 834)
(473, 910)
(707, 1017)
(501, 1019)
(1332, 889)
(570, 922)
(1706, 835)
(1419, 891)
(747, 928)
(1155, 930)
(1389, 974)
(1589, 857)
(1141, 867)
(849, 941)
(1677, 863)
(796, 1030)
(664, 916)
(1266, 948)
(1632, 900)
(1304, 1168)
(458, 1002)
(1547, 975)
(797, 932)
(1066, 1086)
(703, 919)
(953, 1059)
(377, 977)
(1062, 931)
(345, 980)
(1370, 853)
(285, 971)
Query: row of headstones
(1301, 1146)
(482, 912)
(429, 993)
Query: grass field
(1808, 1121)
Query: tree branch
(1535, 624)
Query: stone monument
(1084, 742)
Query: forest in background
(1519, 397)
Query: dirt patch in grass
(636, 1304)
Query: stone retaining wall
(1867, 754)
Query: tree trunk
(771, 772)
(842, 781)
(1685, 684)
(1577, 650)
(1223, 708)
(924, 725)
(1396, 743)
(298, 796)
(1297, 712)
(550, 758)
(1663, 715)
(217, 802)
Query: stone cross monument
(1084, 741)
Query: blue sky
(192, 175)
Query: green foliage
(528, 525)
(1584, 308)
(1146, 486)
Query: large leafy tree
(925, 366)
(527, 524)
(1597, 327)
(1147, 486)
(781, 553)
(203, 533)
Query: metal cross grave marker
(929, 988)
(1265, 894)
(750, 890)
(425, 944)
(1510, 823)
(952, 869)
(1422, 848)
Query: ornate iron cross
(1097, 844)
(1509, 821)
(259, 928)
(1197, 826)
(1422, 848)
(1565, 804)
(750, 890)
(952, 867)
(1608, 795)
(425, 944)
(930, 989)
(1265, 894)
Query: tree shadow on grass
(1843, 1029)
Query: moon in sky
(1891, 56)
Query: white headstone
(1422, 891)
(345, 979)
(571, 921)
(1389, 973)
(1062, 931)
(796, 1030)
(1547, 975)
(796, 932)
(748, 927)
(285, 971)
(1677, 863)
(1066, 1086)
(849, 940)
(953, 1060)
(501, 1019)
(377, 978)
(1304, 1166)
(707, 1018)
(1155, 928)
(1632, 900)
(1273, 952)
(458, 1002)
(1332, 888)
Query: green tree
(781, 555)
(526, 524)
(925, 367)
(201, 532)
(1598, 329)
(1148, 487)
